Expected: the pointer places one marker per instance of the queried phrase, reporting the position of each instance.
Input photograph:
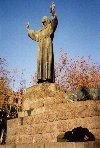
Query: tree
(73, 73)
(9, 99)
(4, 80)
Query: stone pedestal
(46, 114)
(55, 145)
(43, 94)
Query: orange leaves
(7, 95)
(73, 73)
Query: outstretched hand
(52, 7)
(27, 25)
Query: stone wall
(46, 124)
(46, 114)
(43, 95)
(55, 145)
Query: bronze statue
(45, 61)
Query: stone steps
(47, 114)
(46, 126)
(55, 145)
(75, 109)
(62, 125)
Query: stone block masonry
(55, 145)
(50, 114)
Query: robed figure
(44, 37)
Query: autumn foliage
(70, 73)
(4, 77)
(10, 101)
(73, 73)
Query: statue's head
(45, 21)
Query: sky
(77, 33)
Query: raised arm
(31, 33)
(54, 20)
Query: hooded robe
(45, 60)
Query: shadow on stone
(78, 134)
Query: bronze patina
(44, 37)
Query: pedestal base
(46, 114)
